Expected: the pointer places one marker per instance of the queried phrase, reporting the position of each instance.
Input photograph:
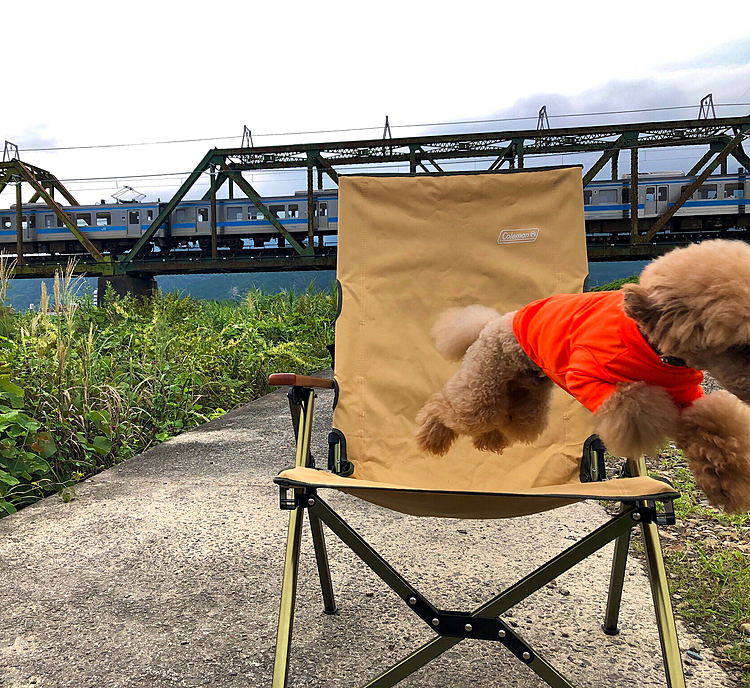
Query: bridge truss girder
(44, 185)
(504, 147)
(722, 136)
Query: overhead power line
(376, 128)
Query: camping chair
(410, 246)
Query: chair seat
(496, 503)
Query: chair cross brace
(483, 623)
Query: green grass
(617, 284)
(82, 388)
(711, 576)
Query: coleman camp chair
(409, 247)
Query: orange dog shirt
(586, 344)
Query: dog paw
(433, 436)
(714, 434)
(494, 441)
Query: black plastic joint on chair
(337, 461)
(646, 514)
(667, 518)
(299, 499)
(593, 468)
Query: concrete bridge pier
(126, 284)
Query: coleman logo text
(518, 236)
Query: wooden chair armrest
(293, 380)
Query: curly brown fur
(493, 440)
(458, 328)
(497, 395)
(636, 419)
(714, 434)
(731, 369)
(432, 433)
(687, 302)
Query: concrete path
(165, 571)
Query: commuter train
(718, 195)
(115, 227)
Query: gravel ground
(165, 571)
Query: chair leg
(288, 594)
(665, 622)
(657, 576)
(616, 581)
(324, 571)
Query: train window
(278, 211)
(234, 213)
(83, 219)
(662, 193)
(293, 210)
(103, 219)
(707, 192)
(253, 213)
(626, 195)
(607, 195)
(150, 215)
(734, 190)
(322, 209)
(179, 215)
(134, 217)
(650, 194)
(587, 197)
(49, 221)
(202, 214)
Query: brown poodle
(632, 357)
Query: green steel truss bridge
(625, 238)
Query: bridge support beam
(126, 284)
(690, 190)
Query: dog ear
(641, 307)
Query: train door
(321, 215)
(28, 225)
(203, 221)
(134, 223)
(657, 200)
(662, 199)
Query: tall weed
(98, 385)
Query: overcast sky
(98, 73)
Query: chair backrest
(408, 248)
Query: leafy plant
(104, 383)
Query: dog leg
(493, 440)
(714, 434)
(432, 434)
(474, 400)
(636, 419)
(529, 402)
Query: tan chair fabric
(408, 248)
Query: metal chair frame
(483, 623)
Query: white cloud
(99, 73)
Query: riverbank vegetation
(84, 387)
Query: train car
(721, 202)
(115, 227)
(239, 220)
(718, 195)
(110, 227)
